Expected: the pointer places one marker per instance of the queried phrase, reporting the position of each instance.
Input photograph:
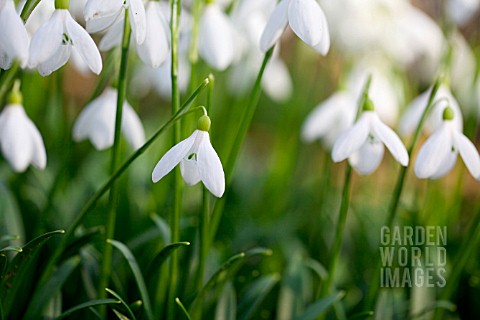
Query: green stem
(203, 245)
(113, 198)
(193, 50)
(397, 193)
(107, 185)
(177, 182)
(238, 142)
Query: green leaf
(120, 316)
(441, 304)
(255, 295)
(137, 275)
(116, 295)
(47, 291)
(227, 304)
(87, 304)
(8, 238)
(20, 273)
(163, 226)
(318, 308)
(160, 258)
(11, 248)
(182, 307)
(84, 239)
(363, 315)
(3, 265)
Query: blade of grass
(88, 304)
(180, 305)
(255, 294)
(320, 307)
(127, 307)
(163, 255)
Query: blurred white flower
(198, 161)
(102, 14)
(330, 118)
(413, 114)
(461, 11)
(42, 12)
(20, 139)
(53, 42)
(216, 38)
(97, 122)
(306, 19)
(363, 144)
(14, 39)
(154, 50)
(439, 153)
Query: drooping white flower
(330, 118)
(14, 39)
(461, 11)
(20, 140)
(363, 144)
(306, 19)
(413, 114)
(198, 161)
(154, 50)
(216, 38)
(102, 14)
(97, 122)
(439, 153)
(54, 41)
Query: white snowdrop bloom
(198, 161)
(363, 143)
(52, 44)
(413, 114)
(155, 49)
(76, 9)
(461, 11)
(439, 153)
(14, 39)
(330, 118)
(42, 12)
(102, 14)
(305, 18)
(97, 122)
(216, 37)
(20, 140)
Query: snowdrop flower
(20, 140)
(198, 161)
(54, 41)
(461, 11)
(97, 122)
(439, 153)
(102, 14)
(13, 36)
(330, 118)
(413, 114)
(154, 50)
(306, 19)
(216, 37)
(363, 144)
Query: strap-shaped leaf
(88, 304)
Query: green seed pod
(204, 123)
(448, 113)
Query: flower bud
(204, 123)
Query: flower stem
(193, 50)
(175, 6)
(397, 193)
(113, 197)
(238, 142)
(114, 177)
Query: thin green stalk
(203, 245)
(397, 193)
(327, 287)
(177, 182)
(238, 142)
(107, 185)
(113, 198)
(193, 50)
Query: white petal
(434, 153)
(276, 24)
(468, 152)
(276, 81)
(5, 58)
(13, 35)
(84, 44)
(210, 167)
(46, 41)
(136, 11)
(352, 139)
(101, 14)
(328, 115)
(113, 37)
(324, 45)
(216, 38)
(154, 50)
(368, 157)
(39, 155)
(189, 170)
(307, 20)
(173, 157)
(132, 127)
(447, 165)
(56, 61)
(386, 135)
